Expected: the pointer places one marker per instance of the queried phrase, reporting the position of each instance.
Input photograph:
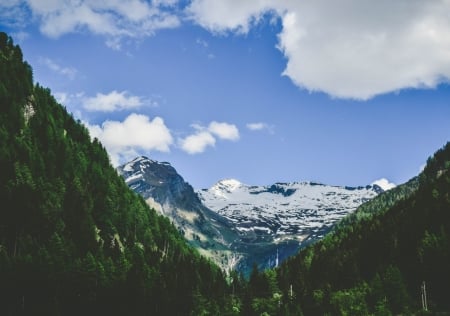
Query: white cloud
(198, 142)
(135, 134)
(113, 101)
(113, 18)
(229, 15)
(384, 184)
(260, 126)
(348, 49)
(256, 126)
(224, 130)
(68, 72)
(205, 137)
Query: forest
(75, 240)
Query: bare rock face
(167, 192)
(237, 224)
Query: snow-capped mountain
(159, 182)
(236, 224)
(299, 210)
(167, 192)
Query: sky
(339, 92)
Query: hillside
(390, 257)
(74, 239)
(376, 261)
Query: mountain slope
(165, 190)
(378, 260)
(74, 239)
(238, 225)
(285, 210)
(276, 221)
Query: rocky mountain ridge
(298, 210)
(236, 224)
(167, 192)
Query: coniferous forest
(74, 240)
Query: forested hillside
(375, 261)
(74, 240)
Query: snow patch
(288, 209)
(230, 184)
(134, 178)
(384, 184)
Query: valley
(79, 236)
(237, 225)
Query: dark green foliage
(375, 260)
(74, 240)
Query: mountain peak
(232, 183)
(384, 184)
(141, 161)
(227, 185)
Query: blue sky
(343, 93)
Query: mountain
(390, 257)
(74, 239)
(299, 210)
(237, 225)
(166, 191)
(277, 220)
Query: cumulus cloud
(109, 102)
(205, 137)
(229, 15)
(224, 130)
(348, 49)
(68, 72)
(198, 142)
(113, 18)
(137, 133)
(113, 101)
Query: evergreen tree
(74, 240)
